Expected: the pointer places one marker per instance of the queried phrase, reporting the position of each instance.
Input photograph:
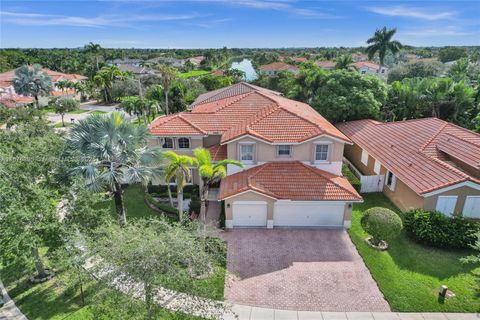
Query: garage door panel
(249, 214)
(306, 214)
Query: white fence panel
(372, 183)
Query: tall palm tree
(343, 61)
(210, 172)
(382, 42)
(115, 154)
(105, 78)
(167, 75)
(96, 51)
(32, 81)
(178, 168)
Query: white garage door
(308, 214)
(249, 214)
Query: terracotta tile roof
(289, 180)
(418, 151)
(5, 83)
(326, 64)
(55, 75)
(218, 152)
(260, 113)
(361, 64)
(299, 59)
(12, 100)
(278, 66)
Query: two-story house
(292, 157)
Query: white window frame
(328, 144)
(394, 180)
(377, 166)
(240, 145)
(189, 143)
(290, 151)
(465, 206)
(163, 142)
(446, 197)
(365, 156)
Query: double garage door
(289, 214)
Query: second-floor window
(321, 152)
(167, 143)
(246, 152)
(183, 143)
(284, 150)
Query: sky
(234, 23)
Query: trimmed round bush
(437, 230)
(381, 224)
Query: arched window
(183, 143)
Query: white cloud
(437, 32)
(411, 12)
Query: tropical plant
(474, 258)
(139, 107)
(381, 43)
(63, 105)
(32, 81)
(459, 70)
(382, 224)
(343, 61)
(167, 75)
(210, 172)
(114, 154)
(96, 51)
(448, 54)
(105, 78)
(178, 168)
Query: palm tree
(115, 154)
(382, 42)
(209, 173)
(167, 75)
(178, 168)
(32, 81)
(343, 61)
(105, 78)
(96, 51)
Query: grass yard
(193, 73)
(98, 112)
(410, 274)
(60, 125)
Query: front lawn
(410, 274)
(193, 73)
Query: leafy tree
(451, 54)
(237, 75)
(17, 116)
(212, 82)
(417, 69)
(178, 168)
(64, 105)
(474, 258)
(459, 70)
(125, 88)
(151, 253)
(32, 81)
(210, 173)
(139, 107)
(167, 75)
(381, 43)
(115, 154)
(96, 51)
(381, 224)
(343, 61)
(105, 78)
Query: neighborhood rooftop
(423, 153)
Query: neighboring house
(423, 163)
(327, 65)
(196, 60)
(274, 68)
(366, 67)
(218, 72)
(13, 100)
(292, 157)
(299, 59)
(357, 57)
(136, 70)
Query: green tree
(210, 172)
(64, 105)
(167, 75)
(32, 81)
(381, 43)
(382, 224)
(105, 78)
(459, 70)
(96, 51)
(178, 168)
(114, 153)
(212, 82)
(448, 54)
(417, 69)
(343, 61)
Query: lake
(246, 66)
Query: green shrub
(194, 204)
(222, 215)
(162, 207)
(436, 229)
(381, 224)
(353, 179)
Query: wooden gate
(372, 183)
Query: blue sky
(234, 23)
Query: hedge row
(353, 179)
(436, 229)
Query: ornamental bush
(438, 230)
(381, 224)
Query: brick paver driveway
(307, 269)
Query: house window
(363, 72)
(390, 180)
(167, 143)
(284, 150)
(471, 208)
(446, 204)
(183, 143)
(376, 167)
(364, 157)
(321, 152)
(246, 152)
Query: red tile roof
(55, 75)
(361, 64)
(299, 59)
(418, 151)
(278, 66)
(289, 180)
(236, 111)
(12, 100)
(218, 152)
(326, 64)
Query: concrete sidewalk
(9, 311)
(253, 313)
